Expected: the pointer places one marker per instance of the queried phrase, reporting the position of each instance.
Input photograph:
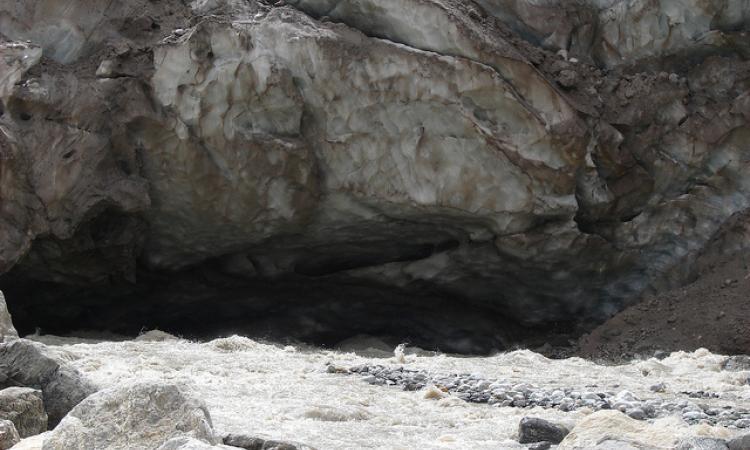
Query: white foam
(286, 393)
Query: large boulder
(142, 415)
(25, 363)
(25, 408)
(7, 331)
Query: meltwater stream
(300, 393)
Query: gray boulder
(256, 443)
(142, 415)
(740, 443)
(8, 435)
(702, 443)
(25, 408)
(29, 364)
(532, 429)
(7, 331)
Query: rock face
(25, 408)
(533, 161)
(143, 415)
(24, 363)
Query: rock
(32, 443)
(568, 78)
(140, 415)
(599, 427)
(703, 443)
(7, 331)
(156, 336)
(25, 408)
(739, 443)
(29, 364)
(106, 69)
(18, 58)
(8, 435)
(532, 429)
(255, 443)
(658, 387)
(736, 363)
(636, 413)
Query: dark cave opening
(200, 304)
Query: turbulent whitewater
(290, 393)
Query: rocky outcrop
(526, 162)
(142, 415)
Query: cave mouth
(298, 309)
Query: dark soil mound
(713, 312)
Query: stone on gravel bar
(533, 429)
(8, 435)
(501, 393)
(25, 408)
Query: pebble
(500, 393)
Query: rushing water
(286, 393)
